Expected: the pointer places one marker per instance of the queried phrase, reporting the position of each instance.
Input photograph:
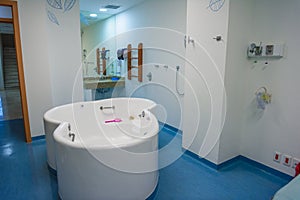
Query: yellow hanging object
(263, 97)
(266, 97)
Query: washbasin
(103, 82)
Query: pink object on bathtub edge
(113, 120)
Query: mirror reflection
(104, 62)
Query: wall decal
(52, 17)
(68, 5)
(216, 5)
(55, 4)
(58, 5)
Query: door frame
(17, 37)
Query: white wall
(46, 85)
(65, 57)
(204, 73)
(249, 131)
(277, 128)
(36, 61)
(240, 18)
(162, 34)
(98, 35)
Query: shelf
(263, 57)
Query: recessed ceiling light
(93, 15)
(102, 9)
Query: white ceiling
(92, 6)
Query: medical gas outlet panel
(265, 50)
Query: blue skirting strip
(266, 168)
(202, 160)
(236, 159)
(40, 137)
(173, 131)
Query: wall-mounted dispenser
(265, 50)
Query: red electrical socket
(297, 170)
(287, 160)
(277, 156)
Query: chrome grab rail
(104, 108)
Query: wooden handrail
(140, 62)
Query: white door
(204, 73)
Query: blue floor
(24, 173)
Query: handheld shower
(176, 81)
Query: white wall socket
(277, 156)
(287, 160)
(296, 161)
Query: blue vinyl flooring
(24, 173)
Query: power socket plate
(296, 161)
(287, 160)
(277, 156)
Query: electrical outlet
(296, 161)
(287, 160)
(277, 156)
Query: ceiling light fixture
(93, 15)
(102, 9)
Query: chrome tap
(70, 133)
(142, 114)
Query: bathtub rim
(47, 115)
(134, 140)
(80, 144)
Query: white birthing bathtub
(99, 159)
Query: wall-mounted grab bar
(104, 108)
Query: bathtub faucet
(104, 108)
(73, 136)
(143, 114)
(70, 133)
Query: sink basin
(103, 82)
